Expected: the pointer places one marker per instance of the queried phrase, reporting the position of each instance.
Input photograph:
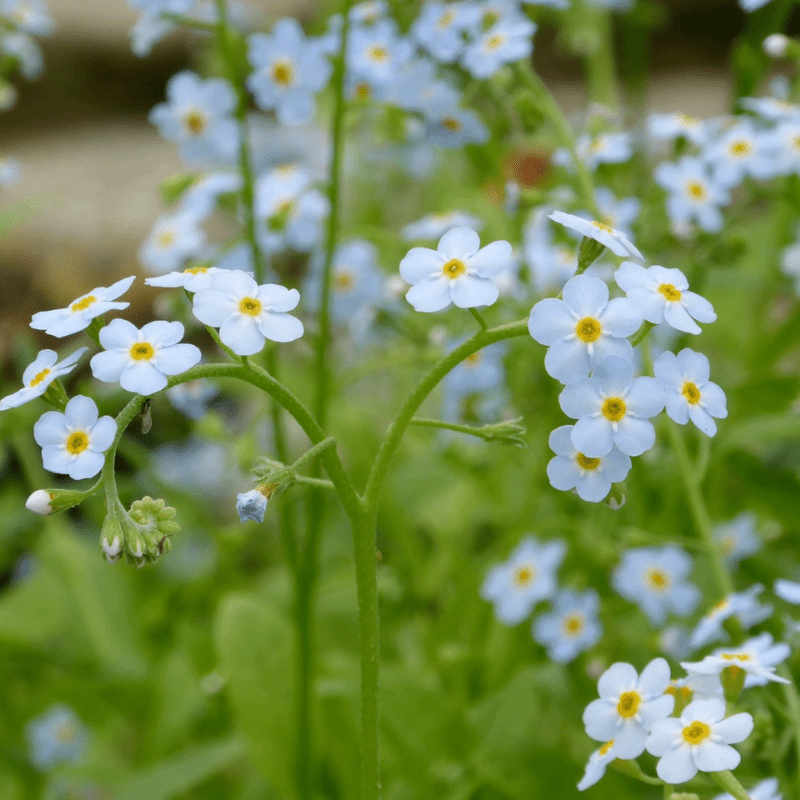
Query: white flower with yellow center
(80, 312)
(758, 657)
(612, 408)
(765, 790)
(173, 239)
(693, 194)
(699, 740)
(654, 579)
(73, 443)
(596, 768)
(526, 578)
(571, 627)
(616, 241)
(192, 279)
(743, 605)
(629, 706)
(689, 393)
(39, 375)
(141, 359)
(247, 314)
(583, 328)
(662, 295)
(459, 271)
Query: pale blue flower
(480, 372)
(508, 40)
(742, 151)
(596, 766)
(571, 627)
(737, 539)
(765, 790)
(758, 657)
(56, 737)
(775, 109)
(191, 398)
(440, 28)
(619, 214)
(193, 279)
(174, 239)
(605, 148)
(672, 126)
(752, 5)
(141, 359)
(788, 591)
(783, 144)
(743, 605)
(28, 16)
(377, 52)
(459, 271)
(528, 576)
(689, 393)
(251, 506)
(247, 314)
(590, 477)
(655, 579)
(454, 127)
(200, 199)
(80, 312)
(416, 88)
(74, 443)
(289, 71)
(693, 194)
(23, 49)
(584, 328)
(39, 375)
(198, 117)
(613, 408)
(616, 241)
(550, 265)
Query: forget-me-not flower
(571, 627)
(39, 375)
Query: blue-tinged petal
(630, 739)
(460, 243)
(431, 294)
(108, 366)
(86, 465)
(607, 346)
(580, 398)
(593, 436)
(469, 291)
(600, 718)
(55, 458)
(618, 678)
(141, 377)
(81, 412)
(634, 436)
(118, 334)
(613, 376)
(645, 398)
(103, 433)
(693, 366)
(702, 420)
(631, 276)
(280, 327)
(593, 486)
(654, 681)
(492, 259)
(711, 756)
(585, 295)
(560, 442)
(677, 766)
(678, 317)
(621, 317)
(714, 400)
(213, 307)
(50, 429)
(242, 335)
(563, 473)
(698, 307)
(176, 359)
(278, 298)
(161, 332)
(551, 320)
(567, 360)
(667, 369)
(663, 735)
(616, 465)
(421, 263)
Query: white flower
(788, 591)
(653, 578)
(434, 226)
(743, 605)
(79, 313)
(693, 193)
(73, 443)
(616, 241)
(689, 393)
(758, 657)
(699, 740)
(526, 578)
(737, 538)
(141, 359)
(457, 272)
(174, 239)
(629, 706)
(193, 279)
(671, 126)
(247, 314)
(583, 328)
(590, 477)
(596, 767)
(39, 375)
(508, 40)
(612, 408)
(661, 295)
(251, 505)
(766, 790)
(56, 737)
(571, 627)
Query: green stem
(191, 22)
(212, 332)
(600, 66)
(317, 483)
(792, 705)
(123, 419)
(698, 508)
(553, 112)
(640, 335)
(313, 452)
(727, 781)
(479, 317)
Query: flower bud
(111, 539)
(49, 501)
(776, 45)
(39, 503)
(253, 504)
(617, 497)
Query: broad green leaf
(254, 644)
(34, 609)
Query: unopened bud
(776, 45)
(253, 504)
(49, 501)
(618, 496)
(39, 503)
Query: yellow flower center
(66, 733)
(657, 580)
(524, 574)
(606, 747)
(165, 239)
(142, 351)
(446, 20)
(628, 704)
(695, 190)
(614, 408)
(687, 120)
(588, 329)
(78, 441)
(721, 606)
(472, 360)
(598, 145)
(495, 41)
(344, 281)
(691, 393)
(250, 306)
(82, 305)
(283, 73)
(194, 121)
(377, 53)
(587, 463)
(573, 624)
(602, 226)
(696, 732)
(796, 142)
(451, 123)
(196, 270)
(740, 148)
(736, 656)
(39, 378)
(363, 90)
(669, 292)
(453, 268)
(684, 692)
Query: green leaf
(172, 189)
(33, 610)
(181, 772)
(254, 644)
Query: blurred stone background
(92, 163)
